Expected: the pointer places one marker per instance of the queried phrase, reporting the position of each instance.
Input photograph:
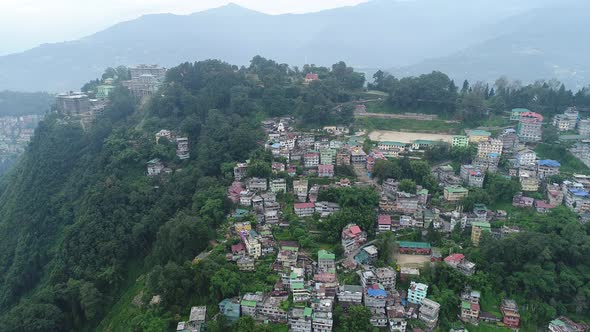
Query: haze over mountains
(474, 39)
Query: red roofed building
(304, 209)
(542, 206)
(352, 238)
(326, 171)
(384, 223)
(238, 249)
(509, 310)
(311, 77)
(454, 259)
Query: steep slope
(541, 44)
(380, 33)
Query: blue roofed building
(547, 168)
(230, 308)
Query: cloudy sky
(27, 23)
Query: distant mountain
(543, 43)
(377, 34)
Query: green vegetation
(433, 126)
(569, 163)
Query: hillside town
(310, 286)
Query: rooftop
(418, 245)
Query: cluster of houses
(155, 166)
(145, 80)
(196, 321)
(15, 134)
(78, 106)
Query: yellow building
(455, 193)
(477, 228)
(476, 136)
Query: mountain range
(473, 39)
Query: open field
(427, 126)
(407, 137)
(415, 261)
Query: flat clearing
(402, 122)
(407, 137)
(415, 261)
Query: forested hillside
(79, 218)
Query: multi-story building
(547, 168)
(417, 292)
(278, 185)
(568, 120)
(304, 209)
(584, 128)
(429, 312)
(358, 156)
(388, 146)
(352, 238)
(455, 193)
(311, 159)
(326, 262)
(529, 183)
(384, 223)
(516, 113)
(476, 136)
(509, 139)
(230, 308)
(375, 296)
(154, 70)
(475, 178)
(154, 167)
(407, 203)
(397, 318)
(469, 311)
(493, 145)
(326, 171)
(257, 184)
(511, 317)
(564, 324)
(326, 208)
(525, 157)
(327, 156)
(461, 141)
(477, 229)
(322, 315)
(249, 303)
(300, 188)
(581, 150)
(529, 127)
(300, 319)
(270, 309)
(182, 149)
(350, 295)
(240, 171)
(343, 158)
(386, 276)
(246, 264)
(577, 199)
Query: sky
(25, 24)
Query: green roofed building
(515, 113)
(461, 141)
(455, 193)
(420, 248)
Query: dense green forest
(81, 223)
(439, 94)
(24, 103)
(79, 217)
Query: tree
(357, 319)
(408, 186)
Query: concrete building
(300, 188)
(303, 210)
(352, 238)
(182, 149)
(511, 317)
(230, 308)
(509, 139)
(257, 185)
(529, 183)
(311, 159)
(246, 264)
(240, 171)
(278, 185)
(429, 313)
(417, 292)
(375, 296)
(529, 127)
(154, 167)
(300, 319)
(326, 171)
(526, 157)
(584, 127)
(270, 309)
(384, 223)
(350, 295)
(326, 208)
(477, 229)
(460, 141)
(484, 148)
(476, 136)
(249, 303)
(327, 156)
(386, 276)
(455, 193)
(547, 168)
(516, 113)
(322, 320)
